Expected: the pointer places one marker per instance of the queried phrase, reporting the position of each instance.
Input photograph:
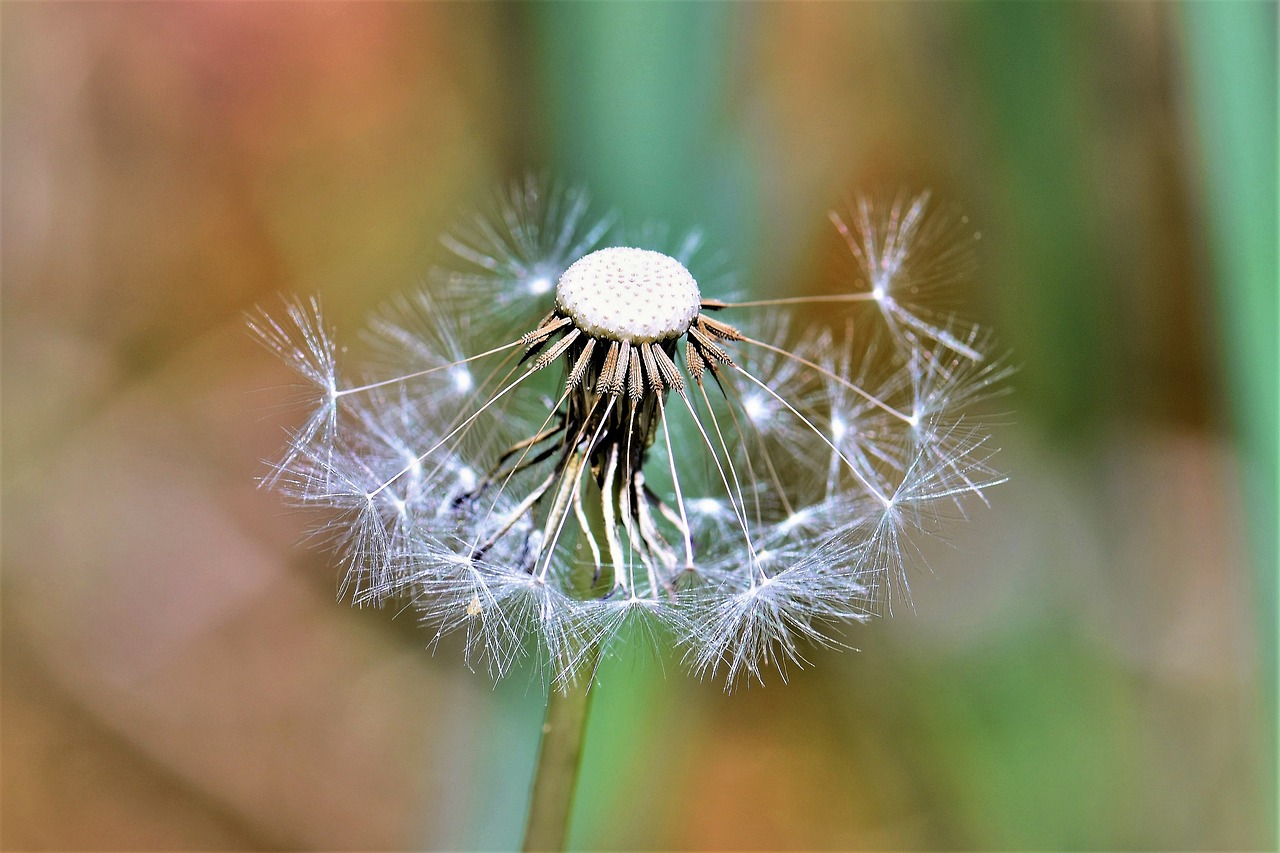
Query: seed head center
(626, 294)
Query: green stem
(565, 726)
(558, 760)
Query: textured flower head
(567, 439)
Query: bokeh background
(1092, 662)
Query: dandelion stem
(558, 759)
(565, 726)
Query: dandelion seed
(573, 441)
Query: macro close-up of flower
(751, 483)
(639, 425)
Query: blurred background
(1090, 665)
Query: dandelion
(564, 439)
(569, 441)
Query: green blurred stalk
(565, 727)
(632, 98)
(1028, 62)
(559, 758)
(1231, 64)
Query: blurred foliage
(1232, 66)
(1026, 60)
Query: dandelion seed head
(563, 445)
(628, 294)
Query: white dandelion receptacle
(697, 469)
(627, 294)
